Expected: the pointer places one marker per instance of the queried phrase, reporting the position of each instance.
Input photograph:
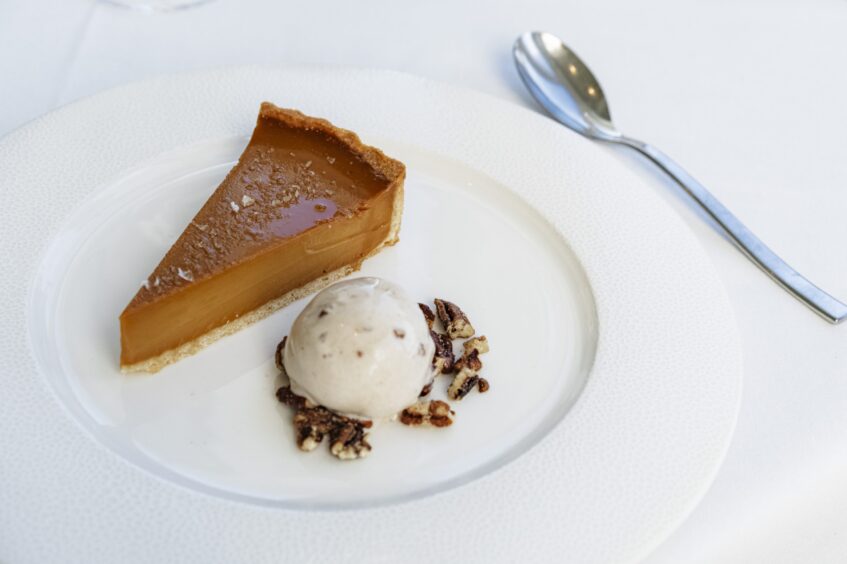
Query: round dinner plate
(614, 366)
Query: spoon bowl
(563, 84)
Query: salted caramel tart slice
(305, 205)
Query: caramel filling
(299, 204)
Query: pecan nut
(455, 321)
(348, 439)
(467, 377)
(478, 344)
(347, 436)
(463, 383)
(428, 315)
(444, 358)
(435, 413)
(470, 361)
(426, 390)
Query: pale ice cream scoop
(362, 348)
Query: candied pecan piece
(467, 377)
(425, 390)
(483, 385)
(463, 383)
(478, 344)
(428, 315)
(348, 439)
(289, 398)
(443, 359)
(310, 426)
(280, 348)
(347, 436)
(454, 319)
(470, 361)
(431, 412)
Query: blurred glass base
(156, 5)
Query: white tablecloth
(749, 96)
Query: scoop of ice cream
(361, 348)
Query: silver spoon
(564, 86)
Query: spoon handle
(819, 301)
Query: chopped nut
(454, 319)
(462, 384)
(483, 385)
(429, 412)
(443, 358)
(468, 368)
(470, 361)
(289, 398)
(347, 436)
(425, 390)
(280, 348)
(478, 344)
(348, 439)
(428, 315)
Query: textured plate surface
(625, 465)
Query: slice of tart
(305, 205)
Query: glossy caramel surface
(286, 181)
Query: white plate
(557, 253)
